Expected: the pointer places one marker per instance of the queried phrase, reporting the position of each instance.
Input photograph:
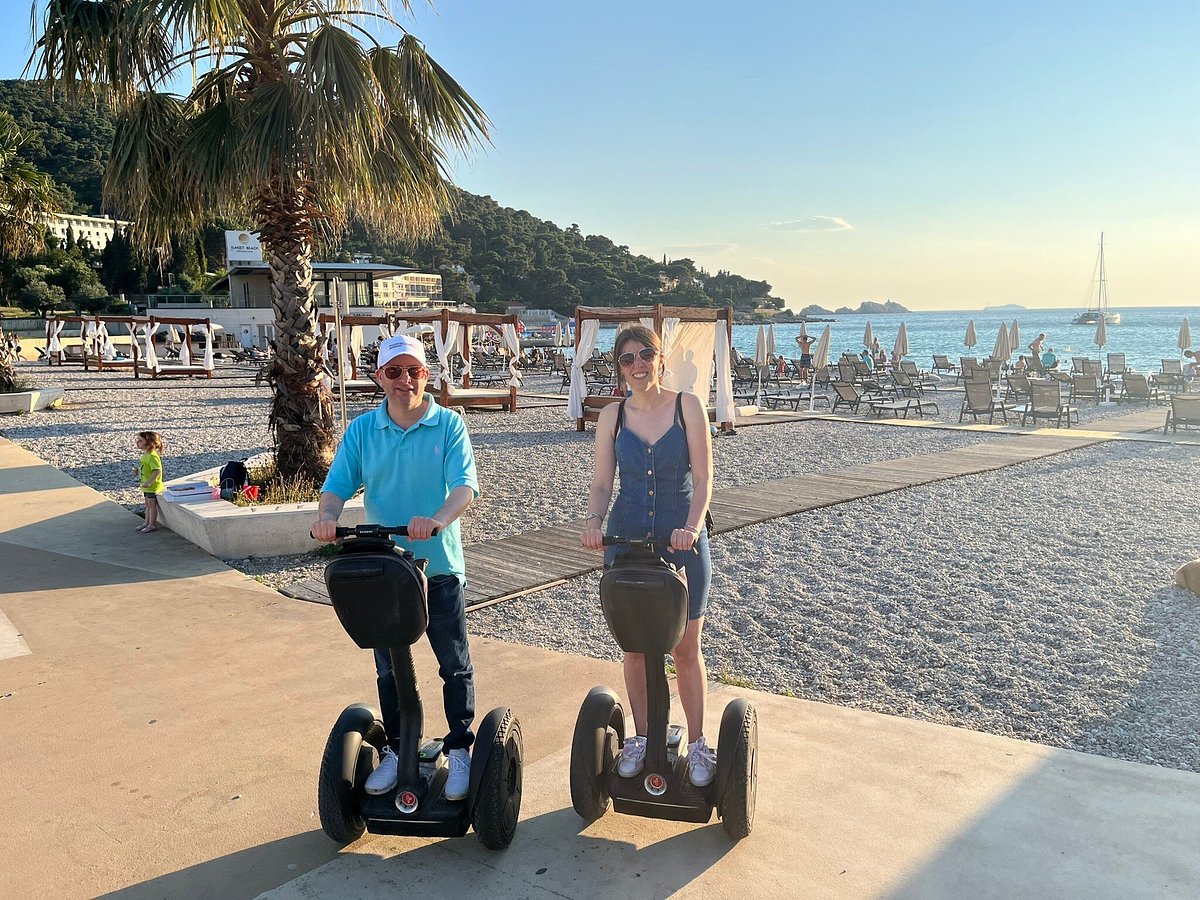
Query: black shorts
(805, 360)
(149, 496)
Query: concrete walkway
(162, 736)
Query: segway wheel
(599, 730)
(737, 768)
(347, 761)
(498, 803)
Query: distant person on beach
(867, 358)
(415, 461)
(1193, 368)
(805, 343)
(149, 471)
(879, 354)
(659, 441)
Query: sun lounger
(1046, 403)
(1184, 412)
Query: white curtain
(148, 335)
(464, 349)
(209, 362)
(105, 348)
(56, 329)
(690, 360)
(444, 344)
(512, 340)
(669, 326)
(185, 347)
(345, 351)
(720, 345)
(589, 333)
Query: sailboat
(1098, 310)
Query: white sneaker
(633, 756)
(702, 763)
(459, 782)
(383, 779)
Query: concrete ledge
(235, 532)
(31, 401)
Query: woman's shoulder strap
(620, 418)
(679, 411)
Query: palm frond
(439, 104)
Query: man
(415, 461)
(805, 343)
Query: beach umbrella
(970, 340)
(1014, 337)
(804, 331)
(868, 336)
(760, 358)
(1101, 336)
(1185, 336)
(901, 349)
(819, 361)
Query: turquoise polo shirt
(408, 472)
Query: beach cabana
(101, 351)
(59, 353)
(187, 365)
(352, 338)
(695, 342)
(452, 333)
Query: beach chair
(1184, 412)
(1137, 388)
(744, 374)
(1016, 388)
(1092, 367)
(1078, 364)
(1085, 387)
(1045, 402)
(941, 363)
(1170, 377)
(823, 377)
(1116, 366)
(912, 389)
(978, 400)
(966, 366)
(846, 371)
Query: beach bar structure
(451, 333)
(696, 341)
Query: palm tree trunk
(301, 417)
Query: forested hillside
(510, 255)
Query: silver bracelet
(591, 516)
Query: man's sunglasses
(413, 372)
(646, 353)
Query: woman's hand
(683, 539)
(593, 537)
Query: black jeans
(448, 637)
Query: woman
(659, 439)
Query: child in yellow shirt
(149, 471)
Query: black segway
(380, 595)
(645, 604)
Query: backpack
(234, 475)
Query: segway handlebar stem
(643, 544)
(379, 531)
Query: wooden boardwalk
(534, 560)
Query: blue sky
(944, 155)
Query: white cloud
(812, 224)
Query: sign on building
(242, 247)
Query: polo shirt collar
(432, 411)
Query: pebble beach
(1034, 601)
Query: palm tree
(301, 120)
(25, 196)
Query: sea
(1146, 335)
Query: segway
(380, 595)
(645, 604)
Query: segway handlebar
(379, 531)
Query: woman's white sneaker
(383, 779)
(702, 763)
(633, 756)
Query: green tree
(302, 118)
(25, 195)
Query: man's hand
(324, 530)
(421, 528)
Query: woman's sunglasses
(413, 372)
(646, 353)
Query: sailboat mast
(1102, 297)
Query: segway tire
(357, 731)
(498, 803)
(737, 768)
(599, 729)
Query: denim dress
(654, 499)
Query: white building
(96, 230)
(412, 290)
